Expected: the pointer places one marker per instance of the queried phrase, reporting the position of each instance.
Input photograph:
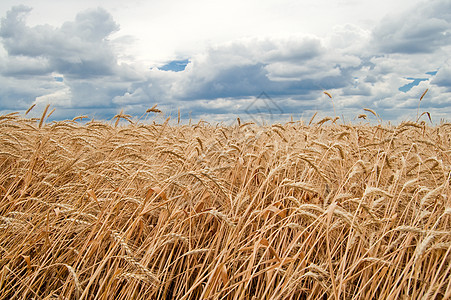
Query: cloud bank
(76, 68)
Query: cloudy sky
(213, 59)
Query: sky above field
(218, 60)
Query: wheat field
(107, 210)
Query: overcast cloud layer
(77, 68)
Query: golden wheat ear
(30, 108)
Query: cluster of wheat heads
(112, 211)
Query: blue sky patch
(175, 65)
(416, 81)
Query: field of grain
(107, 210)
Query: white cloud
(420, 30)
(313, 70)
(349, 39)
(78, 48)
(60, 98)
(443, 77)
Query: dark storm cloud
(232, 81)
(277, 66)
(26, 67)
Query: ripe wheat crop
(159, 211)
